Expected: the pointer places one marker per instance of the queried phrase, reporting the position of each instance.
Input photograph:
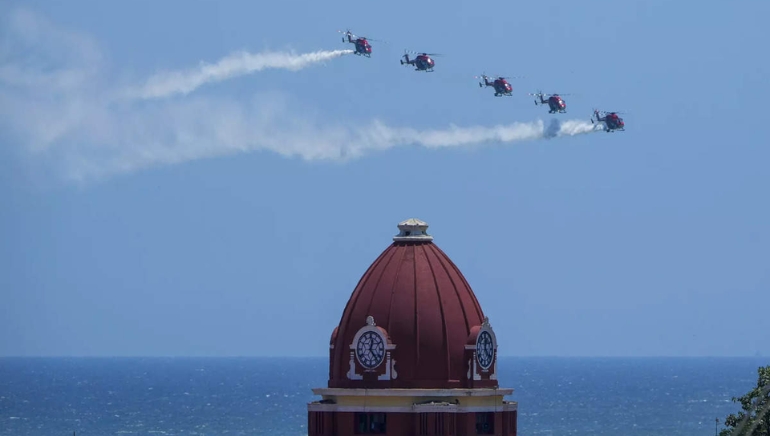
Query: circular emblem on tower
(481, 353)
(485, 349)
(370, 350)
(371, 347)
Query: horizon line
(317, 356)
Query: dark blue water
(253, 396)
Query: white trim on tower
(475, 392)
(416, 408)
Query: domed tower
(413, 353)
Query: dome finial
(413, 230)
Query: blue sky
(220, 222)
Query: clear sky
(223, 221)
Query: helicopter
(501, 85)
(555, 102)
(422, 62)
(363, 48)
(611, 120)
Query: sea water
(269, 396)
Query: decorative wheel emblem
(370, 349)
(485, 351)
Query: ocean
(268, 396)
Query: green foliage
(754, 418)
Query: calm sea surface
(253, 396)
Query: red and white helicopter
(362, 46)
(422, 62)
(501, 85)
(555, 102)
(611, 120)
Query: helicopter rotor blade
(347, 33)
(500, 76)
(422, 53)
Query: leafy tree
(754, 418)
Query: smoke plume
(237, 64)
(558, 128)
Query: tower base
(417, 412)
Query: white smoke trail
(380, 136)
(237, 64)
(570, 128)
(97, 141)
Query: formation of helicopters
(502, 88)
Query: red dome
(413, 311)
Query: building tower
(413, 353)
